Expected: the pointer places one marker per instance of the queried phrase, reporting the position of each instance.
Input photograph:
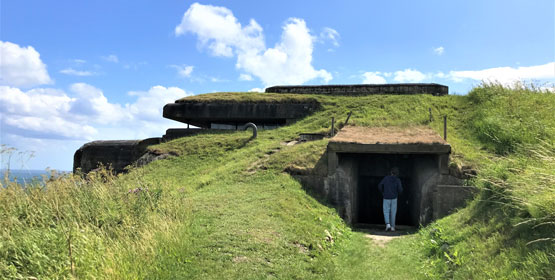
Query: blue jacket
(390, 187)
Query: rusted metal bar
(348, 117)
(332, 126)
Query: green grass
(224, 208)
(247, 97)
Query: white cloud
(288, 62)
(245, 77)
(85, 113)
(149, 104)
(374, 78)
(21, 66)
(331, 35)
(256, 90)
(90, 103)
(439, 50)
(73, 72)
(507, 75)
(79, 61)
(217, 80)
(184, 71)
(409, 76)
(111, 58)
(40, 113)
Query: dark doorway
(372, 168)
(370, 209)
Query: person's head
(395, 171)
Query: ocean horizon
(27, 176)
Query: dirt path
(382, 237)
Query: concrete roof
(355, 139)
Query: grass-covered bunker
(357, 158)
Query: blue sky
(76, 71)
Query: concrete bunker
(358, 158)
(231, 112)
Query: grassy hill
(225, 208)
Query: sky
(76, 71)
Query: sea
(27, 177)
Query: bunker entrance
(414, 171)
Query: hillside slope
(225, 208)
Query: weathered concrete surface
(204, 114)
(363, 89)
(447, 198)
(116, 154)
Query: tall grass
(504, 118)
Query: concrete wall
(434, 89)
(340, 187)
(203, 114)
(447, 198)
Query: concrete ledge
(203, 114)
(389, 148)
(363, 89)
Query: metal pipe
(254, 129)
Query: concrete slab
(203, 114)
(389, 140)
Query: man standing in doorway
(390, 187)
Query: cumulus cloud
(40, 113)
(184, 71)
(90, 103)
(330, 34)
(288, 62)
(149, 104)
(373, 78)
(507, 75)
(46, 113)
(409, 76)
(439, 50)
(21, 66)
(73, 72)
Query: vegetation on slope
(224, 208)
(247, 97)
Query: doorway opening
(414, 170)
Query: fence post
(332, 126)
(348, 117)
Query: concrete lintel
(389, 148)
